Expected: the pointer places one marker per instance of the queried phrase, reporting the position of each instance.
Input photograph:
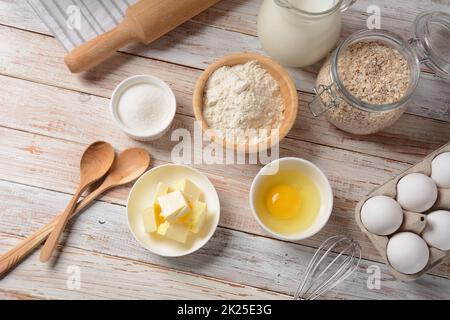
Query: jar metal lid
(432, 41)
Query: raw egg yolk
(283, 201)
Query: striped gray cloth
(74, 22)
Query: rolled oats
(374, 73)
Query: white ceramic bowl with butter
(155, 130)
(316, 175)
(141, 196)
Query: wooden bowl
(287, 89)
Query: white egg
(440, 170)
(437, 231)
(381, 215)
(416, 192)
(407, 252)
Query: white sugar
(143, 107)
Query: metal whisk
(333, 262)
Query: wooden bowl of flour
(288, 94)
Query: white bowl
(316, 175)
(141, 196)
(156, 131)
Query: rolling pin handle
(97, 50)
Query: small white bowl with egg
(143, 107)
(291, 199)
(141, 198)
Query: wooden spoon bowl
(130, 165)
(96, 161)
(287, 89)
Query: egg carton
(412, 221)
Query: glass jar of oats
(364, 86)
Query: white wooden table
(48, 116)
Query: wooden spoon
(129, 165)
(95, 163)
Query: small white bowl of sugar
(143, 107)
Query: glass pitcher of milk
(299, 33)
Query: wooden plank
(345, 205)
(21, 15)
(198, 45)
(352, 175)
(14, 295)
(53, 164)
(230, 255)
(34, 115)
(120, 279)
(412, 138)
(241, 15)
(287, 146)
(409, 140)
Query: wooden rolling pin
(144, 22)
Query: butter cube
(198, 216)
(183, 213)
(174, 231)
(161, 189)
(190, 191)
(173, 204)
(149, 217)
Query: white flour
(241, 98)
